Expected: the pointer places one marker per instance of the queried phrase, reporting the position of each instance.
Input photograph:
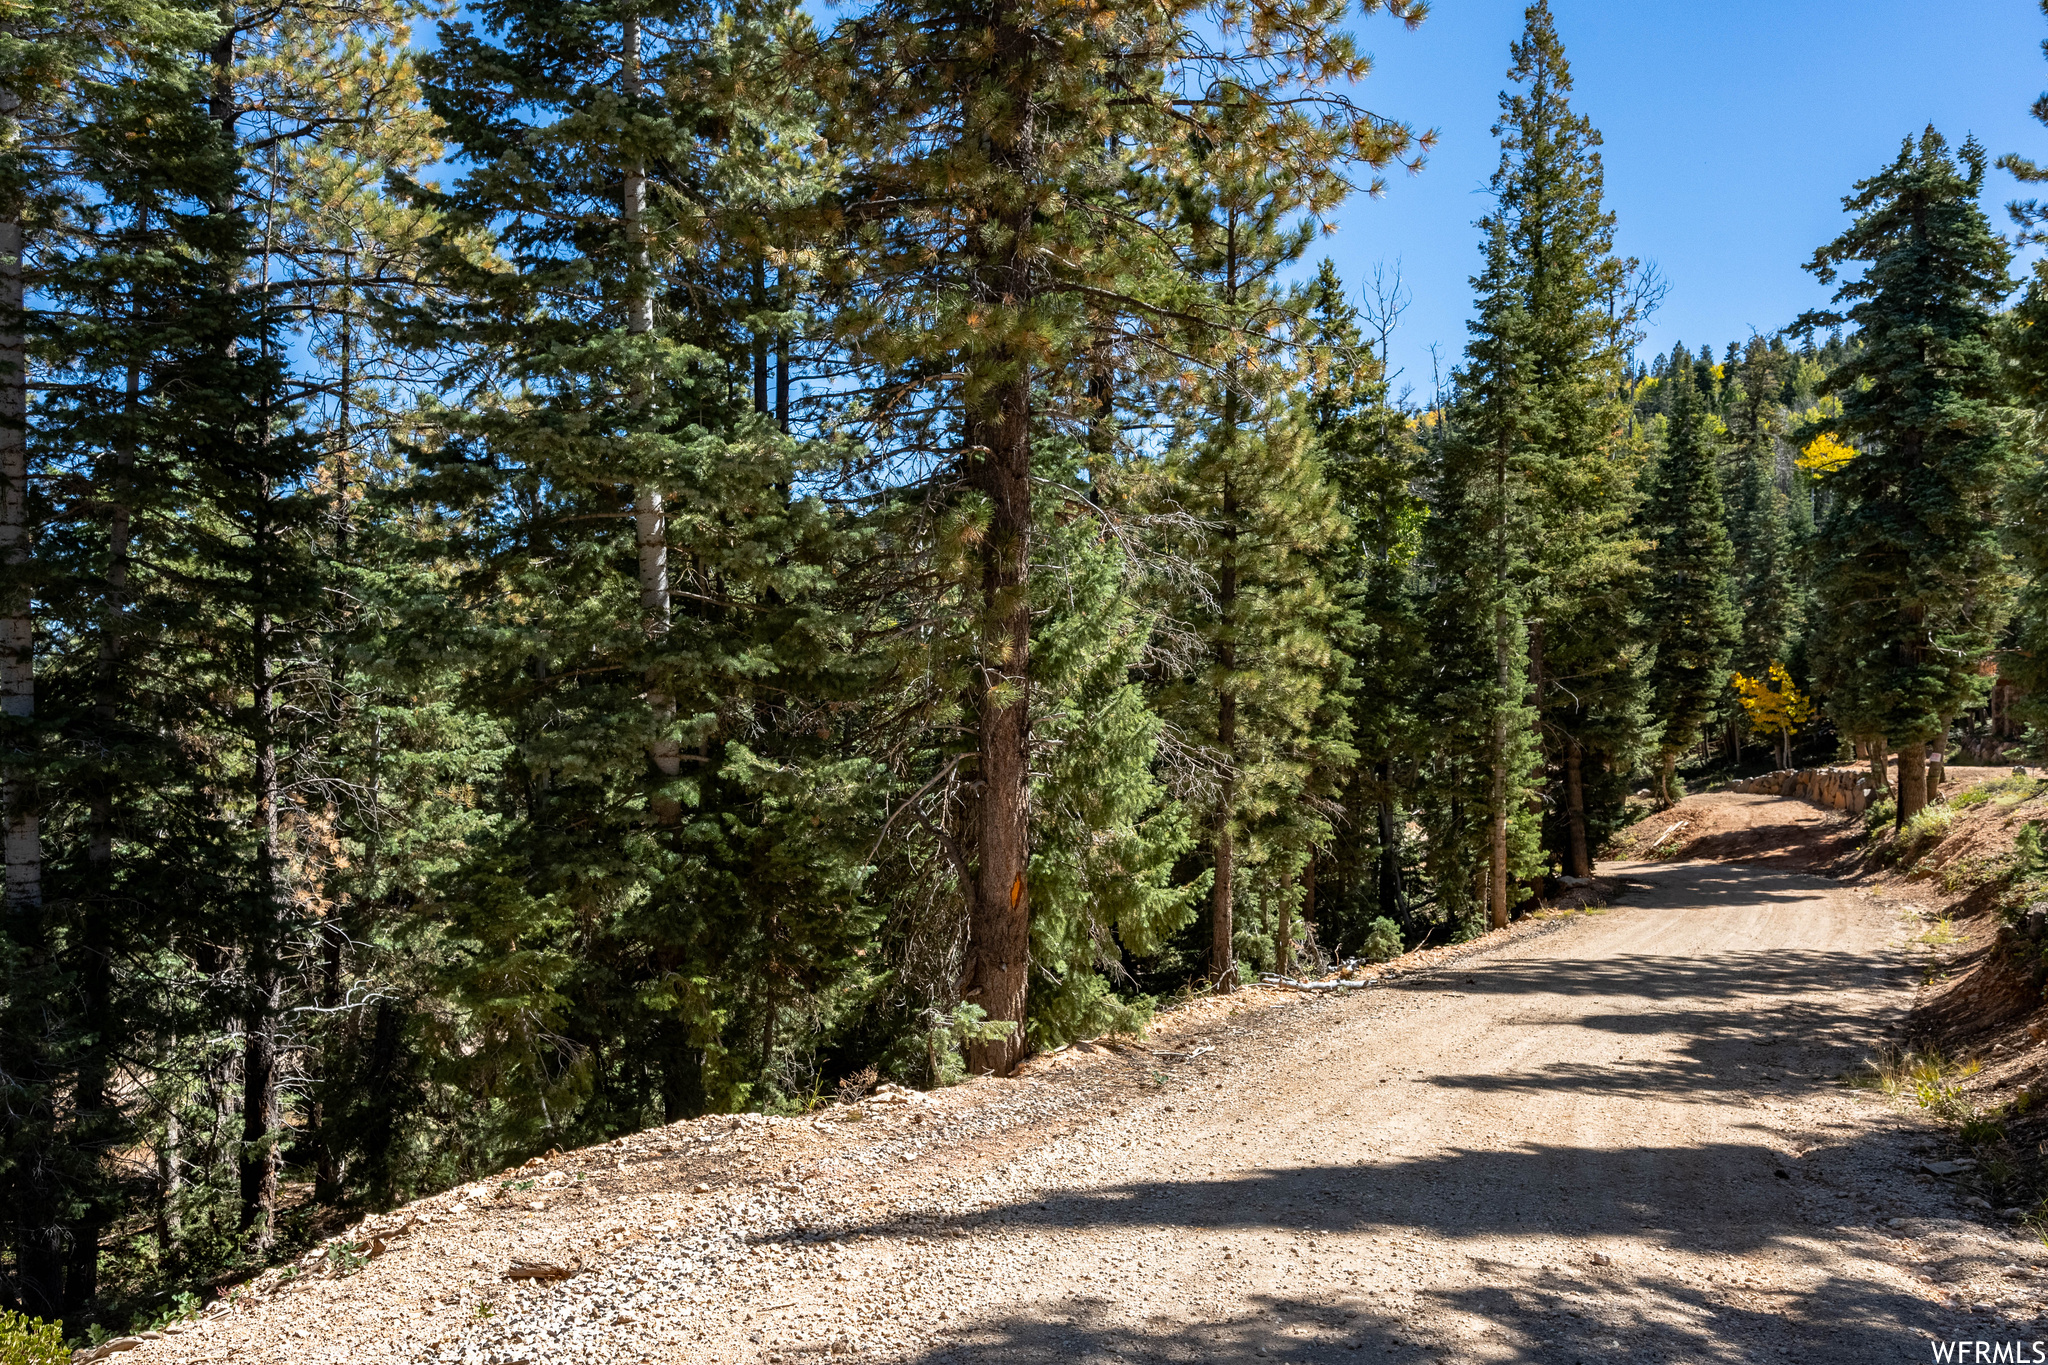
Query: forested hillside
(636, 560)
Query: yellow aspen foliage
(1775, 707)
(1824, 454)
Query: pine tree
(1691, 620)
(1001, 159)
(1910, 589)
(1758, 526)
(2026, 505)
(1252, 479)
(646, 623)
(1371, 461)
(149, 359)
(1530, 489)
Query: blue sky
(1732, 133)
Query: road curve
(1623, 1140)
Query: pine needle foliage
(1691, 617)
(1908, 573)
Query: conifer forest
(572, 564)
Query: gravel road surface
(1618, 1136)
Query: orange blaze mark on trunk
(1016, 891)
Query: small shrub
(1926, 829)
(183, 1307)
(2026, 852)
(1382, 941)
(31, 1341)
(947, 1034)
(1880, 814)
(858, 1085)
(1941, 933)
(345, 1258)
(1930, 1079)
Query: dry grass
(1928, 1078)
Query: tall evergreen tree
(1908, 576)
(668, 865)
(988, 267)
(2026, 344)
(155, 374)
(1530, 489)
(1691, 619)
(1252, 478)
(1758, 526)
(1371, 460)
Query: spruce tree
(1911, 593)
(2026, 505)
(150, 361)
(1691, 621)
(1371, 460)
(1529, 488)
(669, 840)
(1252, 477)
(1758, 524)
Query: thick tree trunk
(1575, 809)
(998, 464)
(1222, 895)
(1880, 772)
(1937, 761)
(1667, 777)
(1000, 933)
(1912, 781)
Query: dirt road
(1621, 1140)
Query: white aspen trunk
(650, 518)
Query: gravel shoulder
(1616, 1134)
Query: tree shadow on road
(1725, 1200)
